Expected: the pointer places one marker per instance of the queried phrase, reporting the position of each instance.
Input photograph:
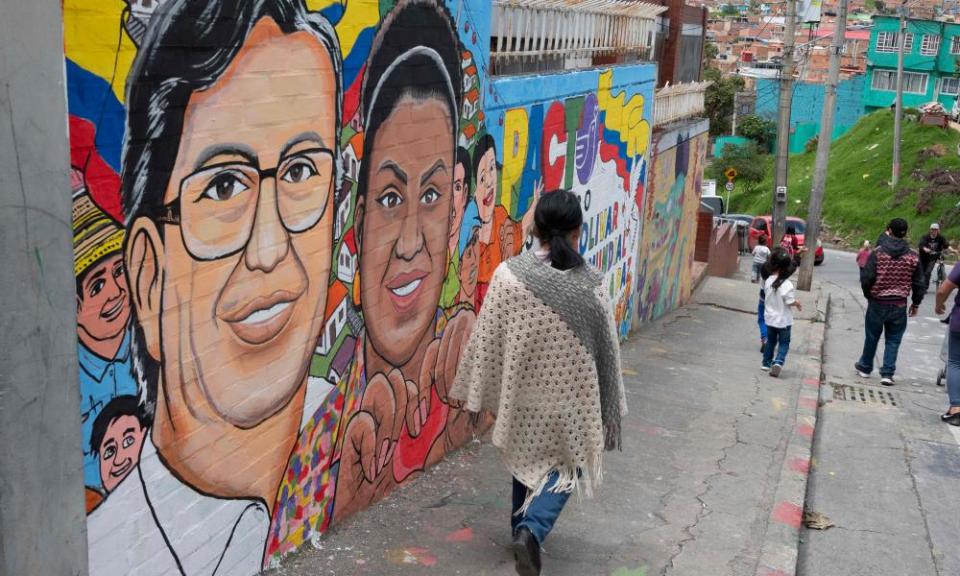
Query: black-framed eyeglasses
(217, 205)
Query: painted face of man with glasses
(230, 274)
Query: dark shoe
(861, 371)
(775, 370)
(526, 553)
(951, 419)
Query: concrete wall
(808, 106)
(588, 132)
(670, 205)
(41, 506)
(724, 251)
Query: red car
(763, 225)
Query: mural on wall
(588, 132)
(278, 261)
(670, 220)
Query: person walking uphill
(893, 272)
(780, 298)
(544, 358)
(952, 415)
(760, 254)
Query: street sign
(729, 186)
(730, 173)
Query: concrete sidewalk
(886, 469)
(698, 489)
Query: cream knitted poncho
(544, 357)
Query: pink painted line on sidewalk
(801, 465)
(808, 402)
(806, 430)
(788, 513)
(812, 382)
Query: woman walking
(952, 415)
(544, 358)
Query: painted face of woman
(406, 225)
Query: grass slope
(858, 202)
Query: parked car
(763, 226)
(741, 219)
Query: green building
(930, 63)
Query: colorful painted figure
(103, 314)
(228, 196)
(403, 216)
(462, 176)
(117, 438)
(501, 237)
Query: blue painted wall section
(808, 106)
(588, 132)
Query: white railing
(534, 29)
(679, 101)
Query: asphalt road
(886, 470)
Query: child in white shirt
(781, 298)
(760, 255)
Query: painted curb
(779, 552)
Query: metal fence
(679, 101)
(573, 33)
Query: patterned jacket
(892, 273)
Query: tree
(710, 51)
(760, 130)
(744, 158)
(718, 100)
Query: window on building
(930, 45)
(887, 42)
(886, 80)
(950, 86)
(955, 46)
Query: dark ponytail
(781, 264)
(558, 214)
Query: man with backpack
(893, 274)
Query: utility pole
(823, 148)
(898, 110)
(733, 131)
(783, 125)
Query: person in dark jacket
(932, 245)
(892, 275)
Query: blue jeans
(755, 271)
(953, 369)
(543, 511)
(890, 321)
(776, 336)
(761, 307)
